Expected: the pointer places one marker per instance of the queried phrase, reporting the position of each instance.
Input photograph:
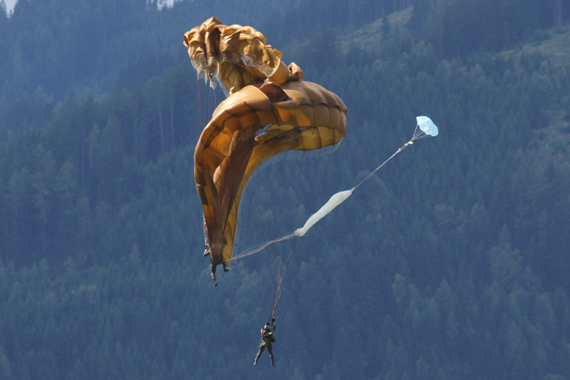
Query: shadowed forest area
(451, 262)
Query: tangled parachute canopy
(264, 92)
(240, 55)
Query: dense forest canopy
(451, 262)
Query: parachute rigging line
(280, 276)
(200, 110)
(262, 246)
(424, 127)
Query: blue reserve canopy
(427, 126)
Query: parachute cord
(378, 168)
(275, 283)
(280, 288)
(417, 135)
(262, 246)
(200, 110)
(420, 136)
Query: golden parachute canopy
(240, 55)
(264, 92)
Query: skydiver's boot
(226, 269)
(206, 252)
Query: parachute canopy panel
(427, 126)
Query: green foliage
(81, 46)
(451, 262)
(462, 27)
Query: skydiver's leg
(225, 268)
(261, 348)
(213, 273)
(270, 350)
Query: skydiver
(266, 341)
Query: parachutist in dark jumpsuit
(266, 341)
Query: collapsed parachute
(263, 92)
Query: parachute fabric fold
(240, 55)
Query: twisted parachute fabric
(334, 201)
(240, 55)
(264, 92)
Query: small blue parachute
(427, 126)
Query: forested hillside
(80, 45)
(451, 262)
